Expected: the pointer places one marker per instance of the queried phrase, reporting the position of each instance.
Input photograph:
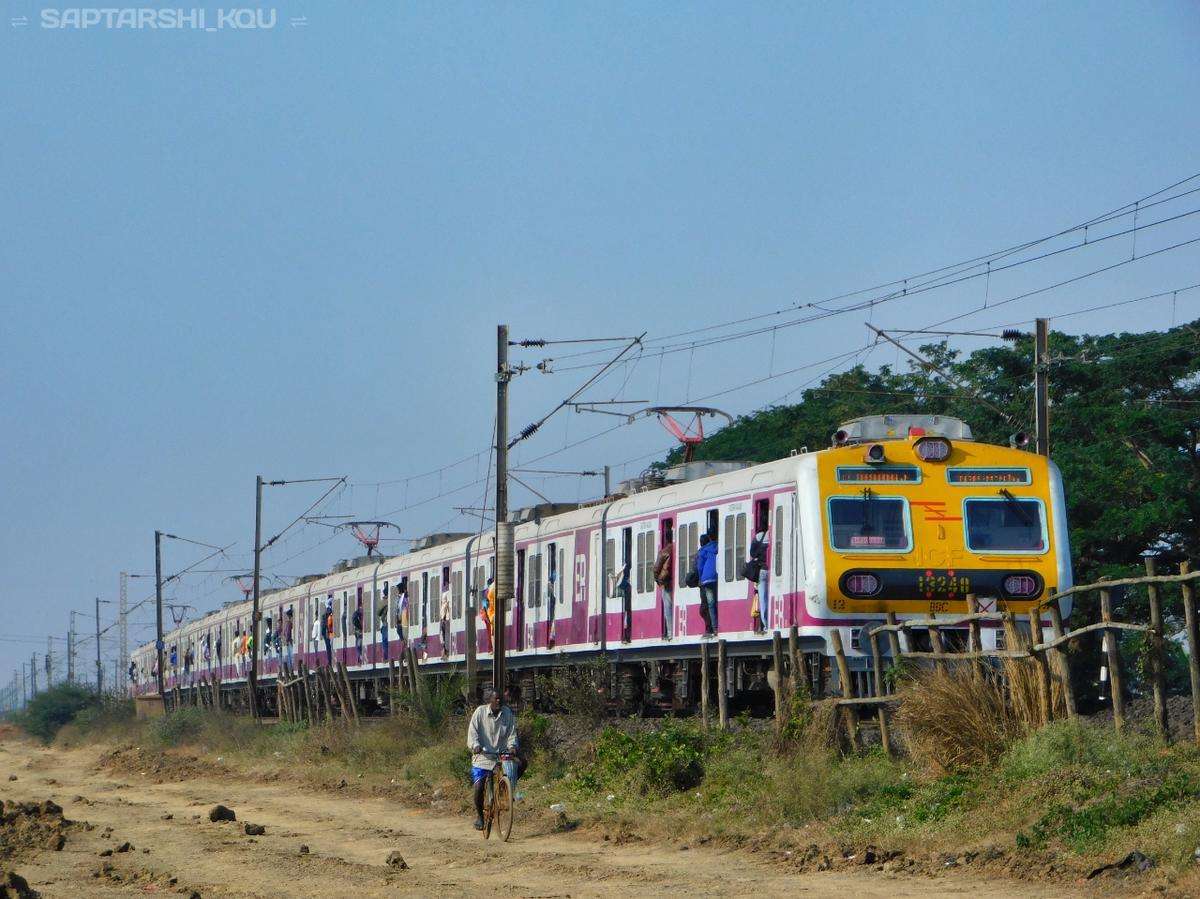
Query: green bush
(1065, 744)
(48, 712)
(434, 701)
(660, 761)
(184, 725)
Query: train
(902, 514)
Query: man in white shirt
(491, 733)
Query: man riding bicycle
(491, 734)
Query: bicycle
(498, 801)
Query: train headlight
(875, 454)
(932, 449)
(861, 584)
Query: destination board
(869, 474)
(988, 476)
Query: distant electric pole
(123, 629)
(99, 665)
(33, 675)
(254, 612)
(158, 639)
(504, 533)
(49, 662)
(71, 650)
(1041, 385)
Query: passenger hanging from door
(663, 569)
(487, 608)
(328, 630)
(289, 632)
(356, 621)
(444, 610)
(757, 570)
(402, 616)
(706, 576)
(381, 615)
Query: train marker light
(1019, 440)
(1020, 585)
(932, 449)
(840, 437)
(875, 454)
(861, 583)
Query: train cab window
(778, 540)
(869, 522)
(1006, 524)
(735, 545)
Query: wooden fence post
(894, 638)
(935, 643)
(777, 659)
(1114, 662)
(877, 662)
(722, 687)
(1060, 654)
(846, 683)
(975, 641)
(1193, 642)
(704, 682)
(885, 736)
(1045, 696)
(1157, 665)
(350, 693)
(799, 668)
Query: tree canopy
(1124, 428)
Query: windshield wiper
(1017, 507)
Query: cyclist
(491, 733)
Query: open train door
(782, 556)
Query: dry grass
(962, 716)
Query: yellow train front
(909, 514)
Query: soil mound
(26, 827)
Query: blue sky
(286, 250)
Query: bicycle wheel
(489, 805)
(504, 807)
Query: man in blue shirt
(706, 572)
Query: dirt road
(350, 838)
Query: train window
(1004, 525)
(869, 522)
(610, 565)
(735, 545)
(686, 545)
(778, 540)
(534, 580)
(646, 572)
(563, 583)
(456, 595)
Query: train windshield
(868, 522)
(1005, 525)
